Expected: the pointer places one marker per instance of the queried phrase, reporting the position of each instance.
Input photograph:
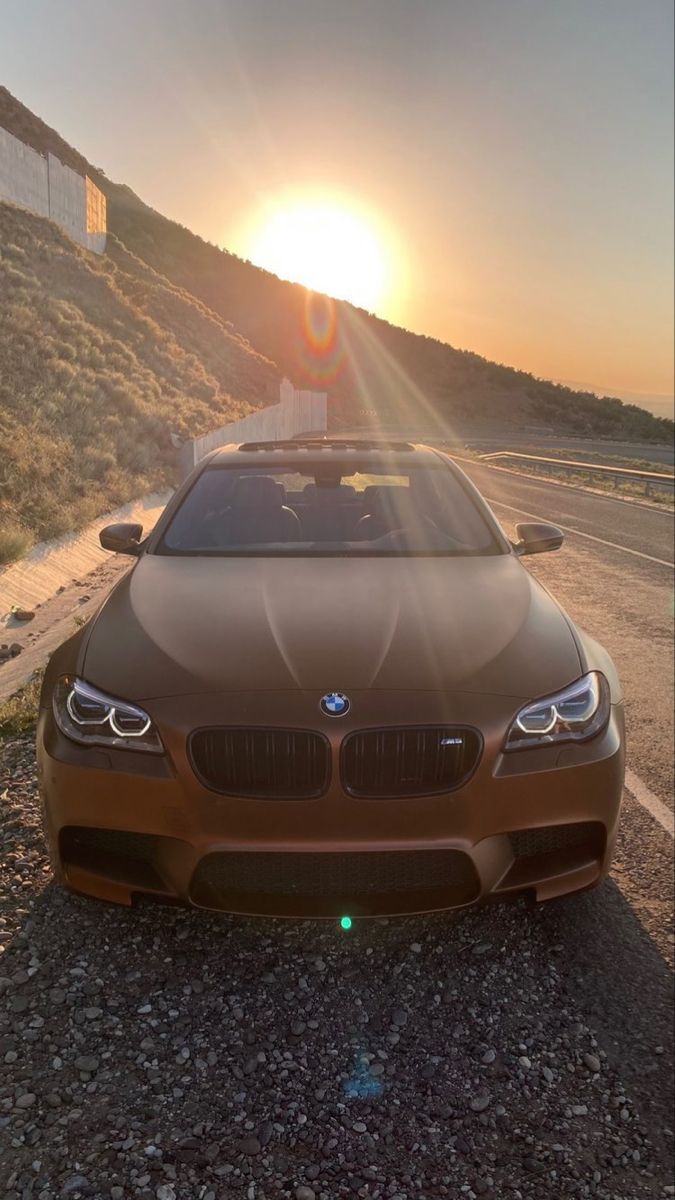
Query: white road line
(663, 562)
(660, 812)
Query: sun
(327, 245)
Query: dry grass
(19, 713)
(101, 362)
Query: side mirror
(121, 539)
(536, 538)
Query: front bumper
(121, 824)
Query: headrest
(257, 491)
(383, 499)
(341, 493)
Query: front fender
(66, 660)
(596, 658)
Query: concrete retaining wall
(54, 564)
(67, 198)
(297, 412)
(24, 175)
(47, 187)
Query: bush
(14, 542)
(20, 712)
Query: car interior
(229, 509)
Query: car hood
(180, 626)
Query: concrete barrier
(54, 564)
(296, 412)
(48, 187)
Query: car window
(328, 508)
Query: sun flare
(327, 245)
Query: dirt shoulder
(54, 621)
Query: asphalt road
(502, 1053)
(640, 528)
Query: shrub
(14, 542)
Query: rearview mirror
(121, 539)
(536, 538)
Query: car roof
(306, 449)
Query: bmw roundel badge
(334, 704)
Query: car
(329, 687)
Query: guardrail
(650, 479)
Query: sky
(514, 158)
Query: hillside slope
(101, 362)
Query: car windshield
(329, 509)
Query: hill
(101, 362)
(367, 364)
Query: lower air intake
(114, 853)
(330, 883)
(548, 839)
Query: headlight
(577, 713)
(94, 719)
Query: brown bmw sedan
(329, 687)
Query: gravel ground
(167, 1054)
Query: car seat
(387, 508)
(258, 514)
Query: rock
(480, 1102)
(265, 1133)
(26, 1101)
(23, 614)
(15, 649)
(86, 1062)
(592, 1062)
(305, 1193)
(75, 1183)
(250, 1145)
(166, 1191)
(489, 1057)
(399, 1017)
